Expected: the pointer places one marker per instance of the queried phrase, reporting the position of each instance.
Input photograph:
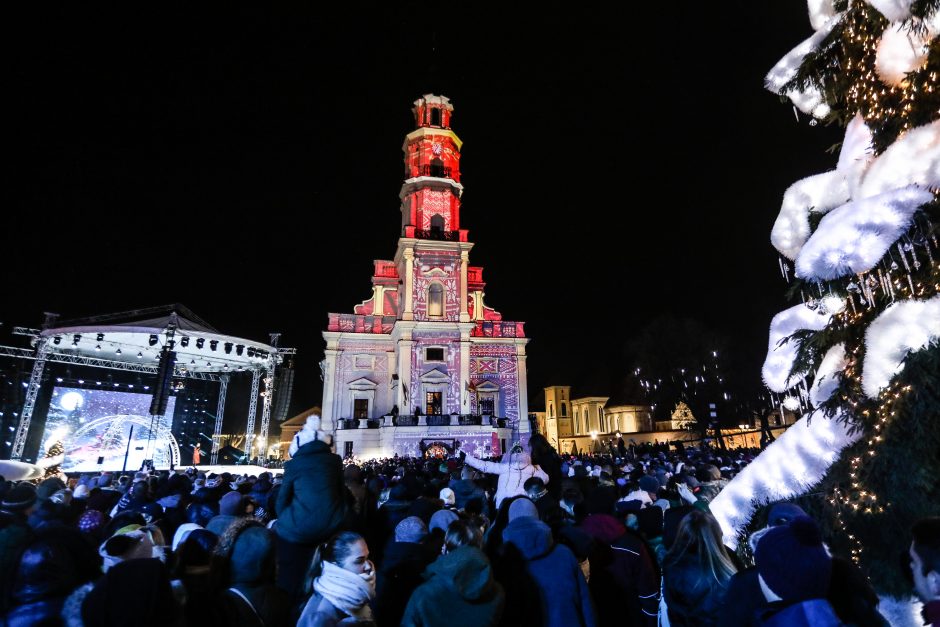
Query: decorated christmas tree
(858, 355)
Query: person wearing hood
(242, 571)
(459, 589)
(544, 582)
(311, 504)
(624, 577)
(514, 469)
(405, 560)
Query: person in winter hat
(794, 569)
(342, 582)
(459, 589)
(132, 542)
(515, 467)
(403, 562)
(311, 503)
(242, 570)
(232, 506)
(447, 495)
(544, 582)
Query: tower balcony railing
(445, 420)
(438, 234)
(436, 171)
(498, 328)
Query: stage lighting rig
(76, 338)
(153, 340)
(100, 337)
(228, 348)
(57, 340)
(239, 349)
(200, 342)
(213, 344)
(184, 341)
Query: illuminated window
(433, 404)
(435, 117)
(436, 300)
(361, 408)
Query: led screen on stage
(96, 426)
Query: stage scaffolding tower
(32, 392)
(219, 414)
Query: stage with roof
(91, 424)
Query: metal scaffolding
(252, 411)
(32, 391)
(219, 413)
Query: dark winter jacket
(850, 595)
(624, 577)
(269, 606)
(400, 575)
(812, 613)
(459, 591)
(694, 597)
(312, 505)
(465, 490)
(559, 597)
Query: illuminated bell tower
(430, 209)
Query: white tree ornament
(854, 237)
(827, 375)
(900, 52)
(778, 365)
(914, 159)
(904, 327)
(820, 12)
(822, 192)
(791, 465)
(894, 10)
(809, 101)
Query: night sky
(620, 163)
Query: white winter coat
(513, 471)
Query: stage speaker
(101, 460)
(161, 391)
(283, 393)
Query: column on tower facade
(464, 371)
(329, 381)
(405, 403)
(464, 259)
(409, 256)
(378, 300)
(523, 386)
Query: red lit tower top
(430, 195)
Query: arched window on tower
(435, 117)
(436, 300)
(437, 168)
(437, 224)
(564, 410)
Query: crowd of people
(530, 538)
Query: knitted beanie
(311, 432)
(20, 498)
(792, 561)
(411, 529)
(649, 483)
(522, 508)
(442, 518)
(783, 514)
(447, 495)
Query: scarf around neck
(347, 591)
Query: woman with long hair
(696, 572)
(342, 581)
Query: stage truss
(47, 348)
